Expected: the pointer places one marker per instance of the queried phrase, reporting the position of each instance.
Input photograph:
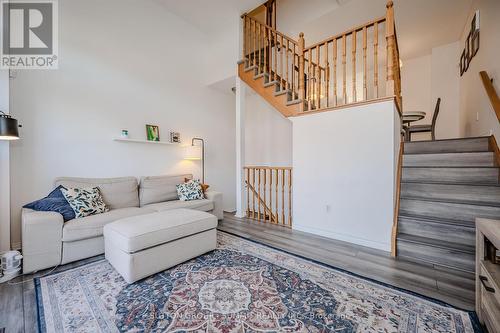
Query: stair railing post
(390, 38)
(301, 68)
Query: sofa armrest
(216, 198)
(41, 239)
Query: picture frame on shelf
(153, 133)
(175, 137)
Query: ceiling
(210, 16)
(421, 24)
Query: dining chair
(426, 128)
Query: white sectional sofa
(48, 241)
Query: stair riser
(450, 160)
(439, 231)
(434, 255)
(454, 193)
(448, 146)
(448, 211)
(451, 175)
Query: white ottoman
(140, 246)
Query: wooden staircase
(283, 99)
(445, 186)
(296, 79)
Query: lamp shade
(193, 153)
(9, 128)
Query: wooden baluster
(318, 79)
(309, 79)
(344, 70)
(283, 197)
(335, 72)
(270, 59)
(276, 56)
(244, 38)
(281, 64)
(375, 59)
(327, 76)
(301, 80)
(259, 41)
(354, 44)
(389, 36)
(286, 64)
(294, 90)
(277, 198)
(365, 89)
(247, 173)
(264, 192)
(254, 37)
(264, 42)
(271, 195)
(253, 193)
(258, 196)
(289, 197)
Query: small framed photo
(175, 137)
(153, 133)
(475, 43)
(468, 56)
(462, 63)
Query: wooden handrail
(491, 92)
(269, 189)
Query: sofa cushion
(202, 205)
(116, 192)
(159, 188)
(137, 233)
(91, 226)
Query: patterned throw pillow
(190, 191)
(85, 201)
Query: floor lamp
(194, 154)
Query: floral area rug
(242, 286)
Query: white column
(4, 169)
(240, 146)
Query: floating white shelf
(146, 141)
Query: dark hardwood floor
(18, 305)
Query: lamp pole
(202, 157)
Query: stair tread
(426, 182)
(476, 144)
(443, 209)
(453, 201)
(436, 243)
(427, 219)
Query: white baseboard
(346, 238)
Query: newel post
(301, 67)
(391, 49)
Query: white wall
(477, 115)
(268, 135)
(426, 78)
(123, 64)
(344, 179)
(4, 169)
